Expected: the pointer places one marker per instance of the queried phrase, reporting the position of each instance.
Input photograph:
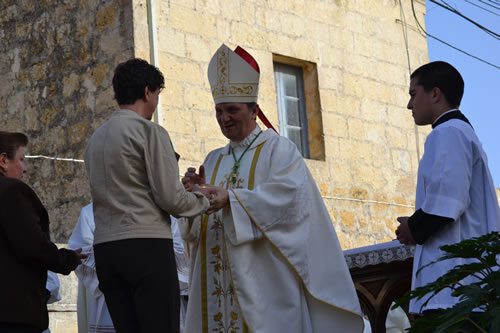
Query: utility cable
(405, 36)
(453, 10)
(445, 43)
(492, 12)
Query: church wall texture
(57, 63)
(363, 76)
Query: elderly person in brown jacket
(26, 252)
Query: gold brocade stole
(226, 320)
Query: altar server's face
(236, 120)
(421, 103)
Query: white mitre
(232, 78)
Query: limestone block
(172, 41)
(16, 102)
(292, 24)
(318, 31)
(334, 125)
(196, 98)
(356, 128)
(371, 27)
(78, 132)
(348, 219)
(375, 133)
(323, 12)
(386, 94)
(206, 6)
(348, 105)
(272, 20)
(198, 48)
(231, 10)
(359, 193)
(397, 138)
(305, 49)
(38, 72)
(223, 32)
(172, 94)
(390, 73)
(178, 121)
(329, 100)
(248, 35)
(380, 197)
(332, 56)
(381, 155)
(186, 71)
(70, 84)
(106, 17)
(330, 78)
(345, 240)
(353, 21)
(373, 110)
(192, 21)
(406, 185)
(358, 86)
(281, 43)
(368, 176)
(341, 172)
(400, 116)
(401, 160)
(355, 151)
(206, 125)
(363, 45)
(31, 119)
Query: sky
(481, 101)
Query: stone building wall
(363, 76)
(59, 58)
(56, 67)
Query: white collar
(246, 141)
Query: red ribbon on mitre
(251, 61)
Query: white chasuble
(223, 314)
(270, 261)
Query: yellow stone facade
(372, 147)
(57, 64)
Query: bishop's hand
(191, 178)
(218, 197)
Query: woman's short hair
(132, 77)
(10, 143)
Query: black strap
(451, 115)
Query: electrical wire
(368, 201)
(492, 12)
(453, 10)
(490, 4)
(55, 158)
(445, 43)
(405, 36)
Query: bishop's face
(420, 103)
(236, 120)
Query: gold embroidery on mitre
(224, 87)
